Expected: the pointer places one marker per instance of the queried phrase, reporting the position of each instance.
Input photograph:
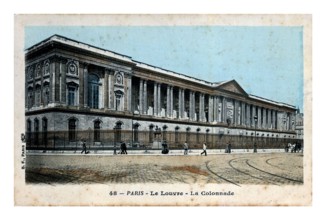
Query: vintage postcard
(163, 110)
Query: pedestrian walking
(228, 148)
(204, 149)
(84, 147)
(123, 148)
(185, 148)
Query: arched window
(36, 131)
(97, 131)
(176, 134)
(93, 91)
(151, 133)
(44, 131)
(72, 129)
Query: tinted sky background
(265, 61)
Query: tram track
(246, 173)
(275, 175)
(256, 174)
(219, 176)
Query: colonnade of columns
(197, 106)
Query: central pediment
(232, 86)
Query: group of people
(293, 148)
(185, 145)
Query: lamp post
(255, 146)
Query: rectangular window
(38, 97)
(71, 96)
(118, 103)
(93, 95)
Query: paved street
(237, 169)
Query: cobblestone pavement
(238, 169)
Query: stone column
(243, 114)
(129, 93)
(168, 101)
(105, 85)
(42, 93)
(201, 107)
(293, 122)
(224, 110)
(171, 102)
(272, 119)
(159, 99)
(275, 121)
(215, 109)
(85, 71)
(63, 86)
(155, 101)
(57, 82)
(264, 118)
(210, 113)
(268, 118)
(179, 103)
(183, 102)
(218, 114)
(141, 97)
(254, 113)
(259, 115)
(145, 97)
(193, 106)
(81, 85)
(248, 115)
(236, 115)
(190, 105)
(110, 89)
(52, 81)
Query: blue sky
(265, 61)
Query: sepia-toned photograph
(163, 110)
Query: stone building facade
(77, 91)
(300, 125)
